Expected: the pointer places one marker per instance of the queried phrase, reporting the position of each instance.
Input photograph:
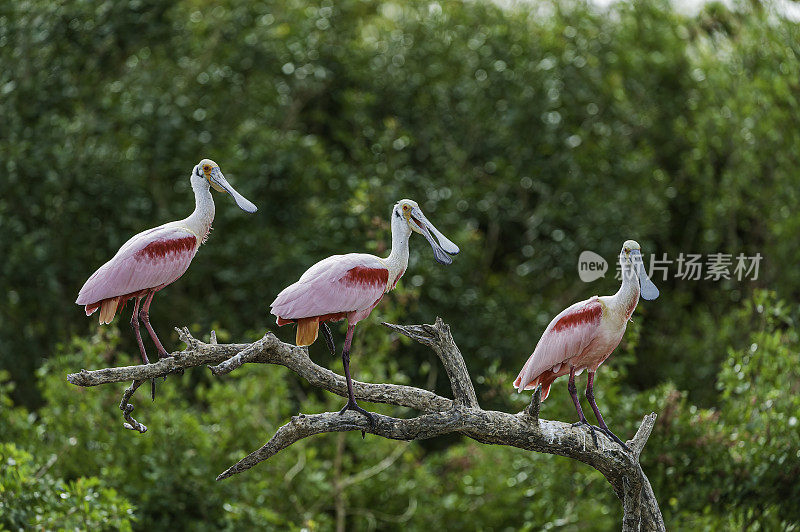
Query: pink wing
(151, 259)
(567, 336)
(339, 284)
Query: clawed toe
(591, 430)
(353, 406)
(614, 437)
(604, 430)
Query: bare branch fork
(439, 415)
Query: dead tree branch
(438, 338)
(439, 415)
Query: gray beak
(442, 246)
(647, 289)
(245, 204)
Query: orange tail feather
(107, 310)
(307, 331)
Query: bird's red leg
(144, 315)
(590, 397)
(135, 327)
(573, 391)
(351, 400)
(603, 426)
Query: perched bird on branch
(583, 335)
(350, 286)
(155, 258)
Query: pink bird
(350, 286)
(155, 258)
(584, 335)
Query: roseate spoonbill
(155, 258)
(350, 286)
(583, 335)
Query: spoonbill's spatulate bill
(350, 286)
(585, 334)
(155, 258)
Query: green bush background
(527, 133)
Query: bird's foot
(351, 405)
(591, 429)
(611, 435)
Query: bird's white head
(407, 211)
(209, 170)
(632, 263)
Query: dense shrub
(528, 133)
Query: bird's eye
(627, 250)
(405, 207)
(206, 168)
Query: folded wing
(151, 259)
(565, 337)
(339, 284)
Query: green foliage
(527, 137)
(31, 498)
(527, 134)
(739, 459)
